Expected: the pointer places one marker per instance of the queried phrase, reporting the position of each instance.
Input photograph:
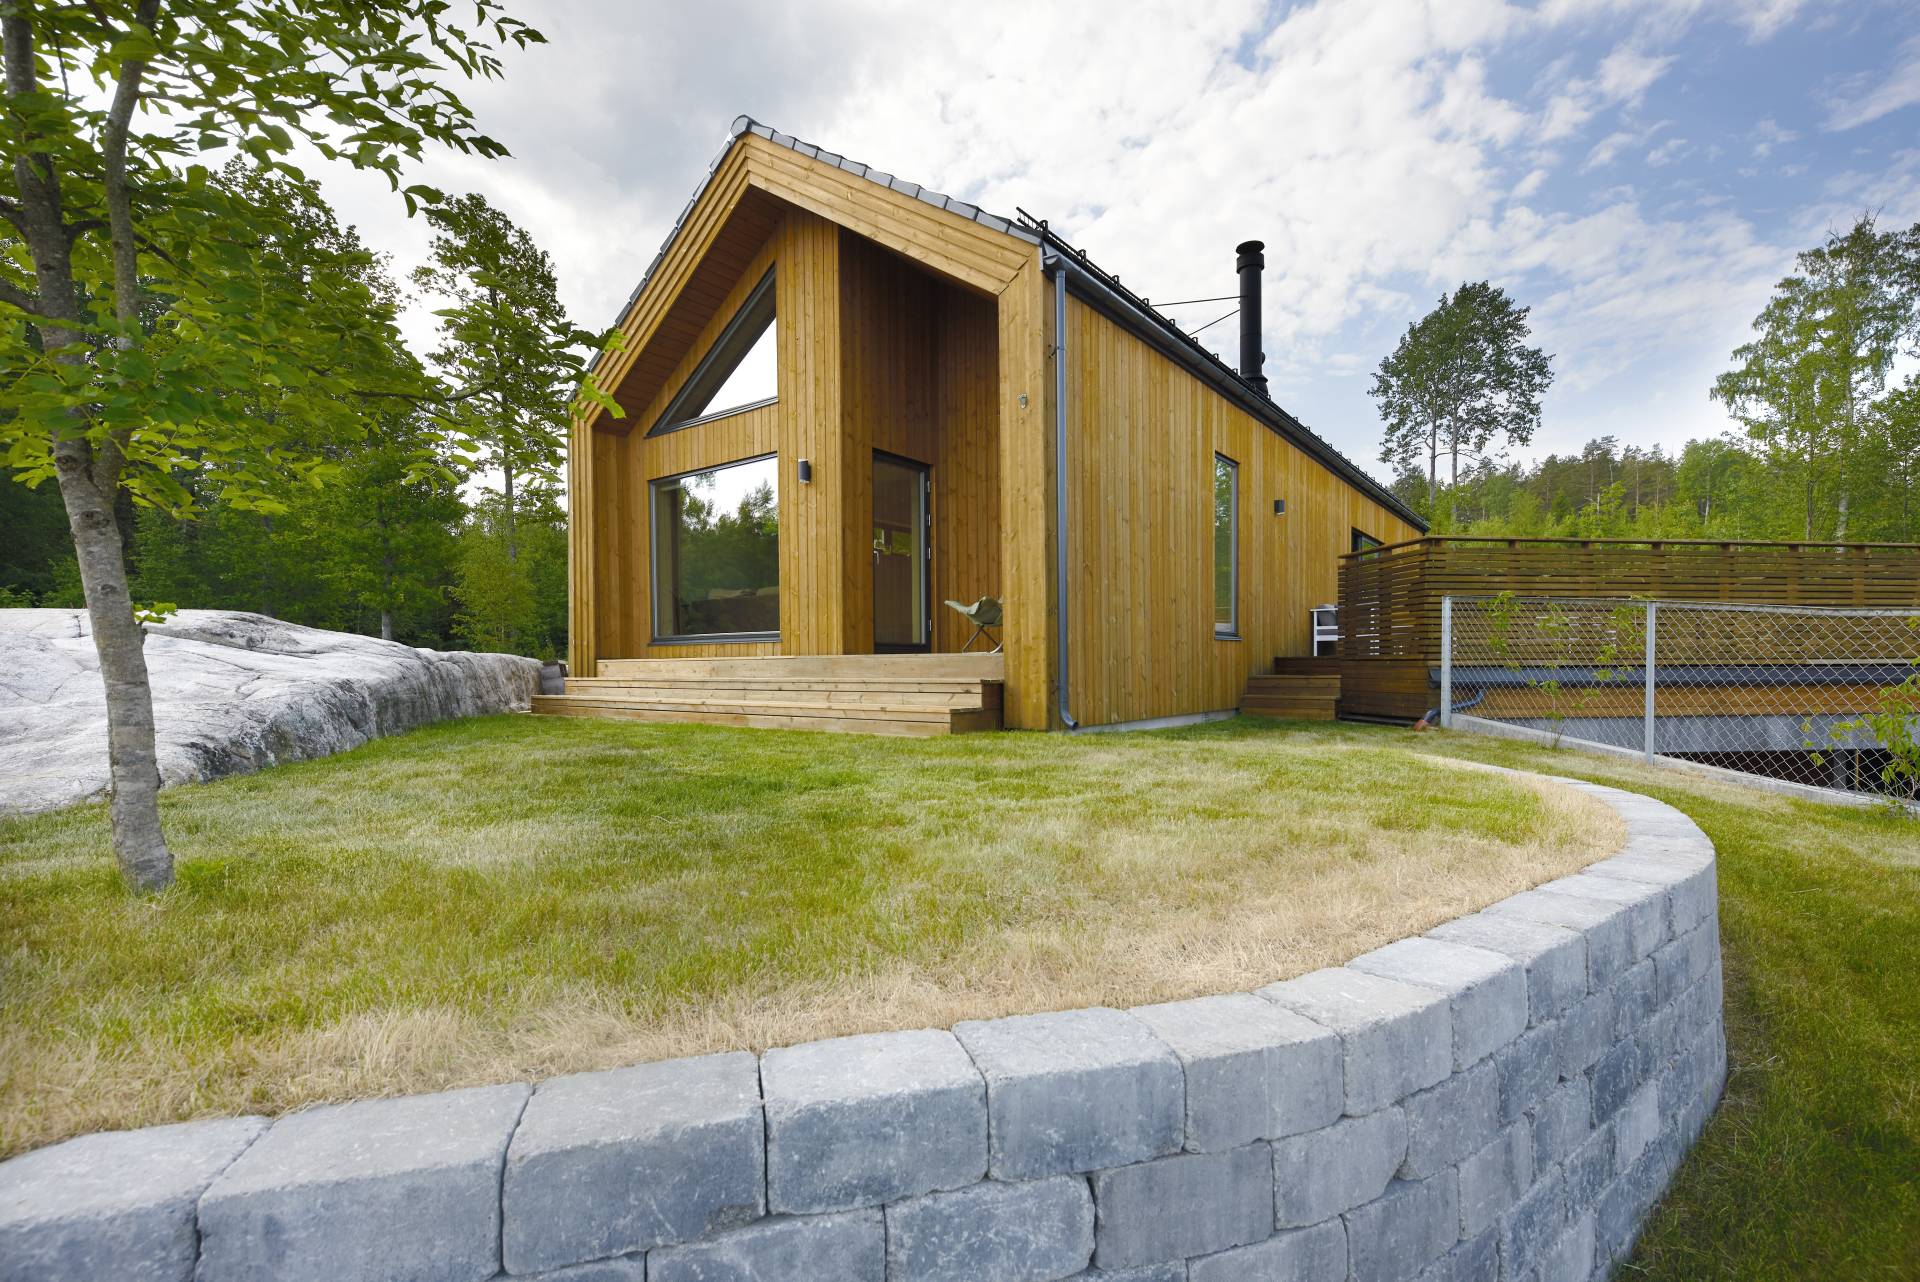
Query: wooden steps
(1308, 696)
(907, 694)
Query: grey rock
(858, 1121)
(1605, 925)
(1636, 1126)
(1254, 1070)
(1075, 1091)
(1447, 1122)
(232, 692)
(1299, 1255)
(614, 1162)
(1684, 961)
(1492, 1180)
(1165, 1271)
(1325, 1172)
(1555, 958)
(1486, 991)
(1395, 1037)
(848, 1247)
(620, 1268)
(1616, 1075)
(1692, 896)
(1635, 997)
(118, 1205)
(378, 1189)
(1189, 1204)
(1028, 1232)
(1409, 1227)
(1589, 1169)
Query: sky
(1638, 172)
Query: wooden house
(848, 400)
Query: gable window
(1363, 542)
(738, 373)
(716, 553)
(1226, 546)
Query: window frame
(1230, 630)
(749, 324)
(1358, 540)
(654, 487)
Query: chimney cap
(1250, 247)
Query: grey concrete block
(850, 1246)
(1412, 1225)
(1325, 1172)
(1486, 991)
(1189, 1204)
(1075, 1091)
(1254, 1070)
(607, 1163)
(114, 1205)
(1692, 895)
(1528, 1069)
(1589, 1169)
(1636, 1126)
(394, 1188)
(1449, 1121)
(1682, 962)
(1533, 1225)
(1605, 925)
(858, 1121)
(1165, 1271)
(1570, 1259)
(1031, 1232)
(1616, 1075)
(1635, 997)
(1314, 1254)
(1555, 958)
(1475, 1260)
(620, 1268)
(1396, 1038)
(1586, 1033)
(1562, 1123)
(1645, 905)
(1493, 1179)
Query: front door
(901, 555)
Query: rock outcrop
(232, 692)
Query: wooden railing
(1390, 597)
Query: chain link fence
(1827, 698)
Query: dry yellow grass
(377, 923)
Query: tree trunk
(386, 625)
(138, 843)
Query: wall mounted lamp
(806, 471)
(1279, 507)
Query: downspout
(1058, 266)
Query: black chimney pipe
(1249, 264)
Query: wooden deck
(1390, 597)
(894, 694)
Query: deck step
(871, 694)
(1298, 696)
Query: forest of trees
(451, 540)
(1827, 446)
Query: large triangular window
(738, 373)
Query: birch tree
(141, 312)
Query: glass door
(901, 581)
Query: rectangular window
(1226, 546)
(716, 553)
(1362, 541)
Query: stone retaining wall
(1503, 1098)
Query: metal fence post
(1446, 663)
(1652, 626)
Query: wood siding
(1142, 435)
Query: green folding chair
(983, 614)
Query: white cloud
(1855, 104)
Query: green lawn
(1811, 1167)
(517, 896)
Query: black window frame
(654, 487)
(755, 315)
(1230, 630)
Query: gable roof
(1119, 302)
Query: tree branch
(17, 297)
